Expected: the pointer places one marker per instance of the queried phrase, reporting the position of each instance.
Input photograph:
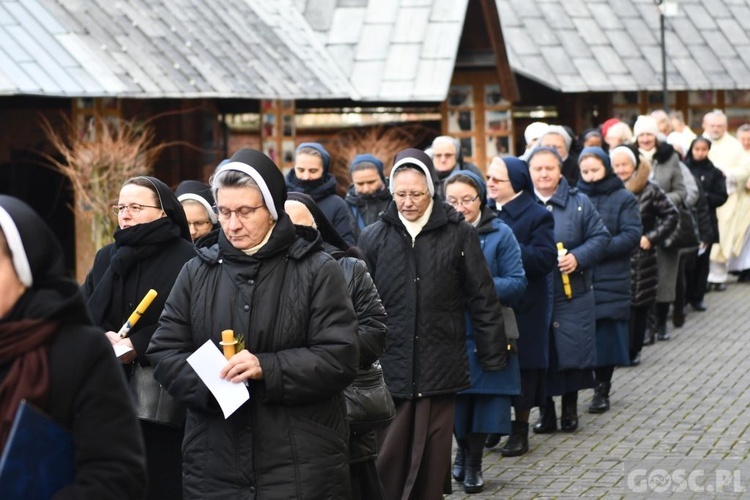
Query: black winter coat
(659, 218)
(372, 334)
(291, 305)
(88, 396)
(366, 209)
(424, 287)
(713, 183)
(618, 209)
(534, 228)
(333, 206)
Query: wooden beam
(508, 84)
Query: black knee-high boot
(473, 480)
(547, 418)
(460, 462)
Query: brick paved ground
(685, 407)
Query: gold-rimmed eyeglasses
(416, 196)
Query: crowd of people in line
(472, 297)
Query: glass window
(702, 98)
(624, 98)
(461, 96)
(493, 96)
(460, 121)
(737, 97)
(656, 99)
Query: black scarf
(132, 245)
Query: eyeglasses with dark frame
(133, 208)
(243, 212)
(464, 202)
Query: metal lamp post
(667, 8)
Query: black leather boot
(678, 314)
(547, 422)
(569, 413)
(600, 402)
(460, 462)
(473, 480)
(518, 442)
(492, 440)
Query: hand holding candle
(562, 252)
(139, 311)
(228, 343)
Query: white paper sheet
(121, 349)
(207, 361)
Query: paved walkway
(678, 427)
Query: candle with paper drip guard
(139, 311)
(562, 252)
(228, 343)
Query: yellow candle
(228, 342)
(561, 252)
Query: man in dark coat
(52, 356)
(448, 158)
(428, 267)
(289, 303)
(311, 175)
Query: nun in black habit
(52, 356)
(151, 245)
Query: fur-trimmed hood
(639, 179)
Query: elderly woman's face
(139, 199)
(243, 216)
(411, 194)
(623, 166)
(647, 142)
(592, 169)
(498, 182)
(198, 219)
(12, 288)
(545, 172)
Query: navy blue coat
(331, 204)
(503, 257)
(581, 230)
(619, 211)
(534, 229)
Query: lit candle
(228, 342)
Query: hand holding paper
(207, 361)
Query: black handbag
(685, 234)
(369, 405)
(152, 401)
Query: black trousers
(686, 266)
(697, 277)
(637, 325)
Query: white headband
(200, 199)
(626, 150)
(20, 260)
(414, 161)
(247, 169)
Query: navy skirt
(482, 414)
(612, 343)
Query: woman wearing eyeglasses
(151, 244)
(428, 266)
(485, 407)
(197, 200)
(272, 284)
